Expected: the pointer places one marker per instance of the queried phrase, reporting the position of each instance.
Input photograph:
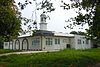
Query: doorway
(68, 46)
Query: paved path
(25, 52)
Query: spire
(43, 24)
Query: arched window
(25, 44)
(17, 44)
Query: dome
(42, 15)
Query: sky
(57, 17)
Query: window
(6, 44)
(49, 41)
(79, 41)
(36, 41)
(83, 42)
(57, 41)
(17, 42)
(87, 41)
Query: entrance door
(68, 46)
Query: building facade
(48, 40)
(55, 42)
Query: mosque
(45, 40)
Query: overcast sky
(57, 17)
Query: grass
(63, 58)
(2, 51)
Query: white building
(48, 40)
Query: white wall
(54, 46)
(6, 45)
(42, 45)
(72, 42)
(31, 47)
(83, 44)
(11, 45)
(34, 47)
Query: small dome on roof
(43, 15)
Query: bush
(8, 51)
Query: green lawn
(8, 51)
(64, 58)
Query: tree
(46, 6)
(9, 20)
(78, 33)
(91, 17)
(73, 32)
(81, 33)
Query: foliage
(2, 51)
(43, 5)
(81, 33)
(73, 32)
(1, 45)
(63, 58)
(9, 20)
(91, 17)
(46, 5)
(78, 33)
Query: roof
(23, 36)
(43, 33)
(63, 34)
(48, 33)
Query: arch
(26, 43)
(17, 44)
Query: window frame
(87, 41)
(36, 41)
(49, 41)
(6, 44)
(57, 41)
(79, 41)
